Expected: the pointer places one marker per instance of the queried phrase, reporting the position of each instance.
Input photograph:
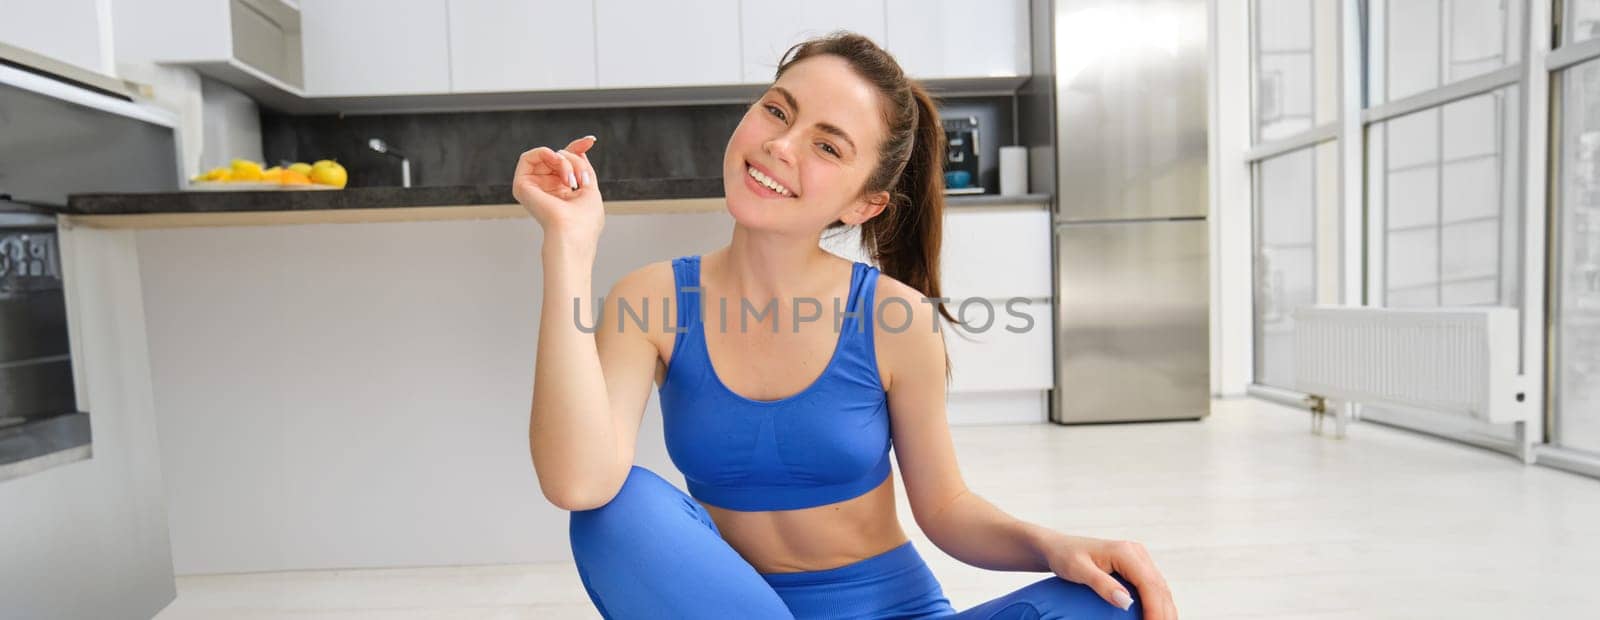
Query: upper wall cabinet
(355, 52)
(253, 45)
(769, 28)
(516, 45)
(655, 43)
(375, 47)
(960, 38)
(63, 30)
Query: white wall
(89, 539)
(413, 451)
(230, 125)
(1231, 297)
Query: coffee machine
(961, 160)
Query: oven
(40, 423)
(57, 138)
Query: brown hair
(904, 240)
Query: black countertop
(23, 211)
(395, 197)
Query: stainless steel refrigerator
(1115, 116)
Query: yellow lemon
(327, 172)
(301, 167)
(246, 170)
(272, 175)
(294, 177)
(214, 174)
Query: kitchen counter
(385, 204)
(625, 190)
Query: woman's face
(815, 133)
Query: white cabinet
(371, 48)
(960, 38)
(1008, 346)
(375, 47)
(515, 45)
(64, 30)
(996, 261)
(654, 43)
(769, 28)
(253, 45)
(996, 252)
(992, 255)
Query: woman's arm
(576, 425)
(972, 530)
(957, 520)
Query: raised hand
(561, 191)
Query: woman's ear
(867, 208)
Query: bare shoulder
(908, 333)
(643, 301)
(652, 279)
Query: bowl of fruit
(244, 174)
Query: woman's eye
(776, 112)
(829, 148)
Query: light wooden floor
(1247, 513)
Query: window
(1296, 180)
(1583, 20)
(1296, 67)
(1576, 248)
(1445, 179)
(1420, 45)
(1291, 189)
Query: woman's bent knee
(644, 496)
(1054, 597)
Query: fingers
(1107, 587)
(561, 168)
(571, 167)
(1133, 562)
(552, 170)
(531, 165)
(532, 161)
(582, 145)
(580, 164)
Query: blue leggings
(653, 552)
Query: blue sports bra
(828, 443)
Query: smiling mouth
(768, 182)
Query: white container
(1013, 170)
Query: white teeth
(767, 181)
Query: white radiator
(1459, 361)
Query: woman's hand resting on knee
(561, 191)
(1090, 561)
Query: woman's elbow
(578, 497)
(576, 501)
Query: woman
(791, 504)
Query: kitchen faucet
(405, 164)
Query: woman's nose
(780, 147)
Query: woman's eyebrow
(828, 128)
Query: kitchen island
(341, 379)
